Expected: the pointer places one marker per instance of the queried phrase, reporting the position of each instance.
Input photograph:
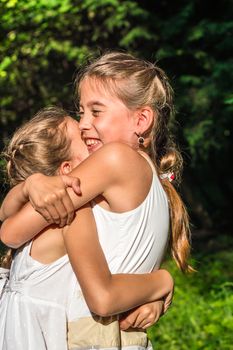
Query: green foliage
(42, 44)
(43, 41)
(201, 316)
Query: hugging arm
(106, 293)
(48, 195)
(56, 197)
(21, 227)
(18, 196)
(13, 202)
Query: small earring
(141, 139)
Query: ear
(145, 119)
(65, 168)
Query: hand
(48, 196)
(168, 287)
(143, 316)
(168, 300)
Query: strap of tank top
(147, 158)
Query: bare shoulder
(117, 152)
(111, 160)
(117, 162)
(120, 158)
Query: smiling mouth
(91, 142)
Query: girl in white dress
(39, 302)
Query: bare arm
(109, 160)
(21, 227)
(108, 294)
(13, 202)
(18, 196)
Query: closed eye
(96, 112)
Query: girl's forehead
(91, 83)
(104, 91)
(98, 85)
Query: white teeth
(90, 142)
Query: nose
(85, 122)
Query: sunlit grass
(201, 316)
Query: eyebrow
(91, 103)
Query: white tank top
(135, 241)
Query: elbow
(101, 304)
(9, 243)
(4, 236)
(169, 281)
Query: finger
(46, 215)
(150, 315)
(56, 208)
(69, 209)
(140, 320)
(147, 322)
(73, 182)
(53, 215)
(132, 319)
(147, 325)
(124, 325)
(167, 303)
(60, 214)
(128, 321)
(76, 186)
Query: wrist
(28, 183)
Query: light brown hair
(40, 145)
(148, 85)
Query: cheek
(83, 152)
(101, 127)
(79, 150)
(108, 124)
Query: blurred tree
(195, 46)
(44, 41)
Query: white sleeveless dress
(133, 242)
(34, 303)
